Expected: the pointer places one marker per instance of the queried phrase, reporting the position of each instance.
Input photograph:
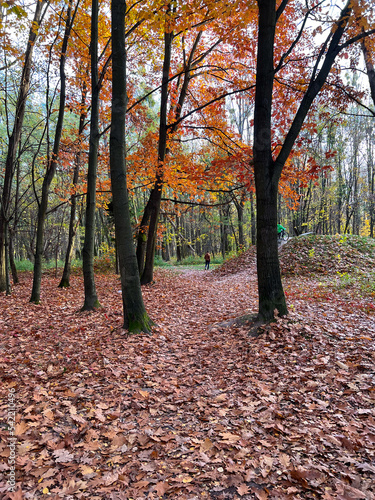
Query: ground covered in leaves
(198, 410)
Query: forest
(135, 137)
(187, 94)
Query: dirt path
(200, 299)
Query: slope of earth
(196, 410)
(309, 254)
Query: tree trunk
(14, 140)
(91, 300)
(155, 198)
(136, 318)
(371, 180)
(253, 231)
(240, 217)
(267, 171)
(142, 236)
(11, 258)
(178, 239)
(371, 175)
(271, 294)
(369, 68)
(155, 201)
(340, 192)
(73, 226)
(152, 210)
(51, 168)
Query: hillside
(327, 254)
(340, 261)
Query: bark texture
(267, 170)
(271, 294)
(14, 141)
(51, 167)
(91, 299)
(136, 318)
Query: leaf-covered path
(197, 410)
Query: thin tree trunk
(11, 258)
(51, 167)
(339, 194)
(136, 318)
(73, 226)
(142, 236)
(240, 217)
(371, 181)
(156, 194)
(91, 300)
(15, 138)
(369, 68)
(153, 207)
(371, 175)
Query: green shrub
(159, 262)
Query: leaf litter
(197, 410)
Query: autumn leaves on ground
(200, 409)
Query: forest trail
(201, 299)
(196, 410)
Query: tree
(267, 169)
(51, 162)
(136, 318)
(13, 144)
(91, 299)
(65, 278)
(200, 63)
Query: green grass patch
(190, 261)
(27, 265)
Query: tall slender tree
(65, 278)
(14, 141)
(136, 318)
(91, 299)
(52, 162)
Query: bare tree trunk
(271, 294)
(253, 231)
(369, 67)
(73, 225)
(239, 204)
(371, 171)
(15, 138)
(51, 167)
(91, 300)
(267, 170)
(11, 259)
(153, 207)
(136, 318)
(155, 198)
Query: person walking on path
(207, 259)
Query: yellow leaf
(45, 491)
